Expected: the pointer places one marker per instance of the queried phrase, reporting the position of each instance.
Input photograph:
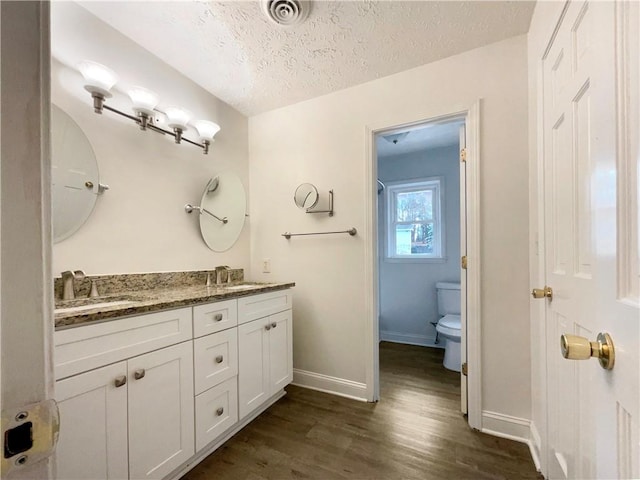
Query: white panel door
(93, 428)
(253, 365)
(592, 412)
(280, 351)
(161, 411)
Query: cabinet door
(161, 423)
(93, 425)
(280, 351)
(253, 365)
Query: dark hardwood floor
(415, 432)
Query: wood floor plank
(415, 432)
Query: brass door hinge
(463, 262)
(463, 155)
(464, 369)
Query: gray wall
(408, 290)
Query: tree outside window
(414, 219)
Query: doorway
(423, 240)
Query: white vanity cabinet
(134, 418)
(145, 397)
(265, 348)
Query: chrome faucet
(68, 287)
(219, 270)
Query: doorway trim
(471, 114)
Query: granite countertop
(116, 305)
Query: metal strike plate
(29, 434)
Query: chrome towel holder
(352, 231)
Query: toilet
(449, 326)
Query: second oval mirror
(222, 211)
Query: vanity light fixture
(99, 80)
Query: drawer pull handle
(267, 327)
(274, 325)
(220, 411)
(219, 359)
(138, 374)
(121, 380)
(217, 317)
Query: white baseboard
(513, 428)
(327, 384)
(410, 339)
(535, 445)
(506, 426)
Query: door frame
(471, 114)
(25, 218)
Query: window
(414, 220)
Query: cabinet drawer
(214, 317)
(215, 358)
(258, 306)
(84, 348)
(216, 411)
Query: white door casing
(463, 271)
(471, 230)
(592, 413)
(25, 218)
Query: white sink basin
(238, 287)
(93, 306)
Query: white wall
(324, 140)
(139, 225)
(408, 301)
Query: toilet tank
(448, 298)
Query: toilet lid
(451, 321)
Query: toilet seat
(449, 325)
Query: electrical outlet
(266, 265)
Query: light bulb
(144, 100)
(98, 78)
(207, 130)
(177, 117)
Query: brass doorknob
(545, 292)
(574, 347)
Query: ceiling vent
(286, 12)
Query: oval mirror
(74, 175)
(222, 211)
(306, 196)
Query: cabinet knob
(274, 325)
(138, 374)
(220, 411)
(267, 327)
(217, 317)
(120, 381)
(219, 359)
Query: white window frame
(436, 184)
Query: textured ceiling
(232, 50)
(422, 137)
